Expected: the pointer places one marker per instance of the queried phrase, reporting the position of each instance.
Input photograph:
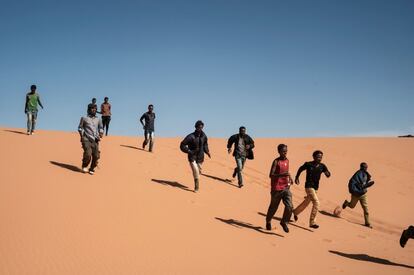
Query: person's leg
(274, 204)
(302, 206)
(146, 137)
(87, 152)
(34, 118)
(196, 174)
(287, 201)
(151, 140)
(352, 203)
(364, 203)
(239, 163)
(406, 234)
(95, 156)
(315, 206)
(29, 122)
(107, 124)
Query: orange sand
(138, 214)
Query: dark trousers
(410, 232)
(90, 151)
(149, 137)
(105, 123)
(276, 197)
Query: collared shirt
(90, 127)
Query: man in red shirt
(280, 189)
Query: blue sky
(280, 68)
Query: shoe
(368, 225)
(143, 145)
(344, 204)
(32, 133)
(268, 226)
(285, 227)
(315, 226)
(85, 169)
(28, 133)
(91, 172)
(240, 185)
(403, 238)
(295, 217)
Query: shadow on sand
(173, 184)
(323, 212)
(290, 223)
(132, 147)
(367, 258)
(67, 166)
(240, 224)
(16, 132)
(228, 181)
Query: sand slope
(138, 214)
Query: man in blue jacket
(357, 186)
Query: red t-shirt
(280, 183)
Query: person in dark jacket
(406, 234)
(357, 186)
(243, 149)
(195, 145)
(149, 118)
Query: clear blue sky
(281, 68)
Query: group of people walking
(91, 130)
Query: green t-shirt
(32, 101)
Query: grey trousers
(276, 197)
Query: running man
(314, 169)
(91, 131)
(30, 109)
(149, 118)
(407, 234)
(106, 114)
(280, 181)
(357, 186)
(243, 149)
(195, 145)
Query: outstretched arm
(300, 170)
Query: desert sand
(138, 214)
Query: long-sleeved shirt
(195, 145)
(149, 120)
(359, 183)
(313, 173)
(90, 127)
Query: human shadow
(66, 166)
(228, 181)
(290, 223)
(15, 132)
(132, 147)
(173, 184)
(323, 212)
(367, 258)
(239, 224)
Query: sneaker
(368, 225)
(295, 217)
(344, 204)
(285, 227)
(85, 169)
(315, 226)
(91, 172)
(240, 185)
(32, 133)
(28, 133)
(404, 238)
(268, 226)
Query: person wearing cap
(195, 145)
(90, 131)
(243, 149)
(30, 109)
(148, 118)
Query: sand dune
(138, 214)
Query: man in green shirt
(30, 109)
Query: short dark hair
(106, 98)
(281, 146)
(317, 152)
(33, 87)
(150, 105)
(198, 123)
(241, 128)
(362, 164)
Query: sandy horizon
(138, 214)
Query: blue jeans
(240, 165)
(31, 121)
(149, 137)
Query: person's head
(33, 88)
(282, 150)
(106, 99)
(363, 166)
(93, 100)
(92, 110)
(242, 130)
(317, 156)
(199, 125)
(150, 108)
